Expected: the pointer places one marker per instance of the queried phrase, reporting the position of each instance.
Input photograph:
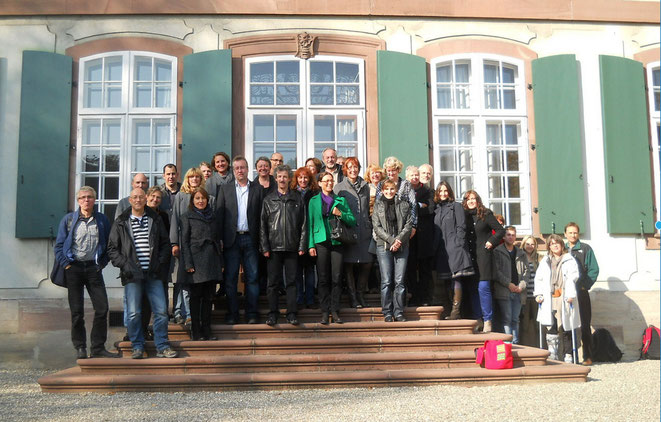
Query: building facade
(551, 112)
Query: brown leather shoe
(587, 362)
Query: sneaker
(137, 354)
(291, 318)
(400, 318)
(167, 353)
(388, 318)
(569, 358)
(178, 319)
(272, 320)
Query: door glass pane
(497, 207)
(493, 135)
(91, 159)
(111, 187)
(92, 181)
(465, 135)
(348, 95)
(140, 160)
(287, 71)
(288, 152)
(91, 132)
(321, 72)
(494, 160)
(496, 188)
(162, 132)
(511, 134)
(445, 134)
(465, 160)
(324, 129)
(111, 159)
(515, 213)
(288, 95)
(263, 128)
(513, 187)
(141, 132)
(286, 129)
(320, 147)
(261, 95)
(447, 160)
(346, 129)
(512, 160)
(346, 150)
(347, 73)
(262, 149)
(112, 134)
(465, 184)
(161, 158)
(321, 94)
(261, 72)
(109, 210)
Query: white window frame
(126, 114)
(655, 123)
(479, 116)
(305, 111)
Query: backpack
(604, 348)
(650, 349)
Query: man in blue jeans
(139, 246)
(239, 206)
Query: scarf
(391, 215)
(206, 214)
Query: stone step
(347, 314)
(312, 345)
(371, 300)
(349, 329)
(73, 380)
(215, 364)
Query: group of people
(288, 230)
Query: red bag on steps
(495, 354)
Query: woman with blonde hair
(373, 175)
(392, 167)
(528, 320)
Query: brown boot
(456, 305)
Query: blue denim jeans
(243, 251)
(393, 289)
(510, 309)
(153, 288)
(481, 300)
(180, 296)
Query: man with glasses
(80, 248)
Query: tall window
(126, 121)
(300, 107)
(480, 132)
(654, 82)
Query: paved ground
(614, 392)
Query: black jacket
(424, 234)
(200, 247)
(121, 248)
(478, 232)
(284, 223)
(228, 212)
(450, 246)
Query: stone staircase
(362, 352)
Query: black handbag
(341, 232)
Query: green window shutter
(403, 124)
(43, 137)
(558, 144)
(207, 119)
(626, 146)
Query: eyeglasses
(327, 181)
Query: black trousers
(81, 276)
(275, 264)
(329, 273)
(200, 295)
(419, 275)
(585, 312)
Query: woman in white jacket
(555, 291)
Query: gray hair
(410, 170)
(86, 189)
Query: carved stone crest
(305, 46)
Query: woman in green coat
(323, 206)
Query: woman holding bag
(328, 251)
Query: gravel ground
(615, 392)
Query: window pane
(163, 95)
(93, 70)
(347, 95)
(111, 159)
(141, 132)
(162, 132)
(515, 214)
(113, 95)
(321, 72)
(443, 73)
(465, 160)
(491, 73)
(462, 72)
(497, 208)
(143, 95)
(321, 94)
(112, 134)
(91, 132)
(346, 130)
(109, 211)
(465, 135)
(347, 73)
(262, 149)
(512, 160)
(509, 100)
(462, 97)
(285, 129)
(161, 158)
(288, 152)
(113, 69)
(92, 95)
(287, 71)
(447, 160)
(163, 71)
(466, 184)
(92, 181)
(496, 188)
(513, 187)
(508, 75)
(263, 128)
(140, 160)
(143, 69)
(445, 134)
(288, 95)
(494, 160)
(491, 97)
(323, 129)
(261, 95)
(261, 72)
(656, 77)
(111, 188)
(493, 135)
(346, 150)
(443, 97)
(91, 159)
(511, 134)
(320, 147)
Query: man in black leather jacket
(283, 238)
